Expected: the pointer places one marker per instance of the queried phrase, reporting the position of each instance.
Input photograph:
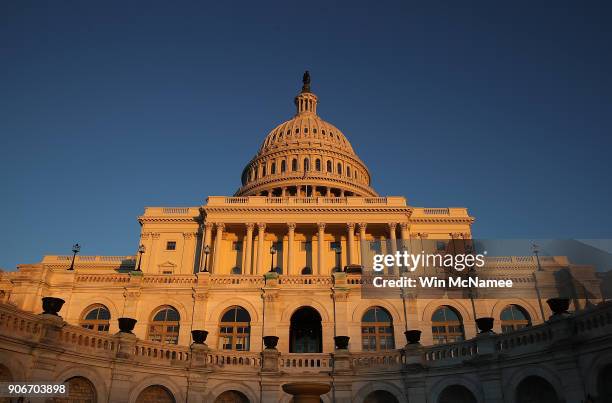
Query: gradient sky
(108, 107)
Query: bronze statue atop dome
(306, 82)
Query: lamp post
(536, 251)
(206, 252)
(141, 250)
(272, 252)
(76, 248)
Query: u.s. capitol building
(285, 256)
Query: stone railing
(236, 280)
(85, 340)
(384, 359)
(445, 353)
(102, 260)
(448, 212)
(173, 211)
(18, 323)
(294, 362)
(287, 280)
(259, 201)
(152, 351)
(234, 359)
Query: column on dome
(327, 191)
(217, 252)
(321, 248)
(261, 235)
(350, 243)
(362, 243)
(290, 248)
(393, 240)
(248, 248)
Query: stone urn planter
(413, 336)
(126, 325)
(199, 336)
(341, 342)
(306, 392)
(270, 341)
(559, 306)
(485, 325)
(52, 305)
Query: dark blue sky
(106, 108)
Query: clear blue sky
(108, 107)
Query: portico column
(216, 265)
(208, 227)
(404, 234)
(327, 192)
(261, 227)
(393, 236)
(362, 243)
(320, 237)
(248, 250)
(290, 240)
(350, 243)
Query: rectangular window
(334, 246)
(171, 245)
(237, 245)
(305, 246)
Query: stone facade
(279, 254)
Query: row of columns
(306, 191)
(261, 228)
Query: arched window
(318, 164)
(306, 164)
(456, 394)
(80, 389)
(155, 393)
(273, 168)
(283, 166)
(340, 168)
(96, 317)
(536, 389)
(513, 317)
(329, 166)
(377, 330)
(294, 166)
(263, 170)
(446, 326)
(235, 329)
(348, 171)
(164, 327)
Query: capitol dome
(306, 156)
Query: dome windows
(273, 168)
(294, 165)
(329, 166)
(283, 166)
(306, 164)
(339, 168)
(318, 164)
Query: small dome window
(318, 164)
(329, 166)
(314, 131)
(294, 166)
(340, 168)
(283, 166)
(305, 130)
(297, 129)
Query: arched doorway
(5, 376)
(305, 333)
(80, 390)
(155, 394)
(380, 396)
(232, 396)
(456, 394)
(535, 389)
(604, 384)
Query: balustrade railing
(305, 362)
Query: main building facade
(285, 257)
